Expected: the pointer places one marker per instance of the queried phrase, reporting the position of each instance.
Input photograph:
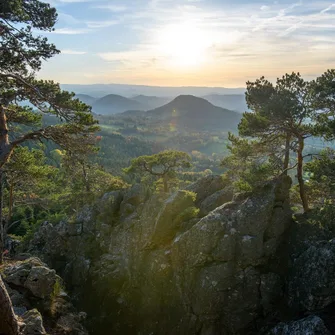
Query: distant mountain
(113, 104)
(235, 102)
(87, 99)
(99, 90)
(152, 101)
(187, 111)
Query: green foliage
(249, 164)
(41, 192)
(20, 49)
(57, 289)
(21, 55)
(287, 113)
(321, 171)
(187, 214)
(116, 151)
(189, 195)
(323, 93)
(162, 165)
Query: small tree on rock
(162, 165)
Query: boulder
(215, 200)
(110, 202)
(33, 275)
(33, 323)
(18, 273)
(41, 281)
(32, 284)
(205, 187)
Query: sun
(183, 45)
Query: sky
(190, 42)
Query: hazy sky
(190, 42)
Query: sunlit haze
(194, 42)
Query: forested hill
(87, 99)
(115, 104)
(188, 111)
(112, 103)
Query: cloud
(112, 8)
(227, 26)
(328, 9)
(72, 52)
(101, 24)
(291, 29)
(237, 40)
(69, 31)
(69, 1)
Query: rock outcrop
(36, 292)
(200, 261)
(165, 268)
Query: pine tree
(162, 165)
(283, 112)
(21, 56)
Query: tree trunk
(8, 321)
(287, 154)
(5, 147)
(2, 223)
(10, 213)
(165, 183)
(302, 190)
(4, 156)
(86, 181)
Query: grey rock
(41, 281)
(111, 202)
(311, 284)
(271, 290)
(215, 200)
(32, 284)
(210, 269)
(127, 209)
(311, 325)
(205, 187)
(33, 323)
(167, 222)
(17, 298)
(205, 274)
(18, 275)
